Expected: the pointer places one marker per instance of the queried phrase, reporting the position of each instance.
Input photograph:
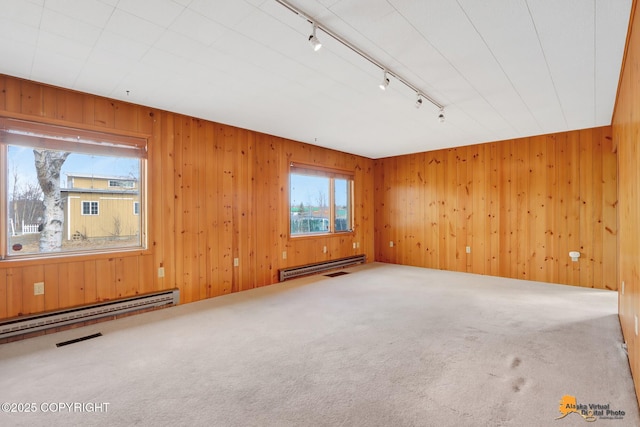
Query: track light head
(441, 115)
(313, 39)
(419, 100)
(385, 82)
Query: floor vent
(27, 324)
(337, 273)
(303, 270)
(88, 337)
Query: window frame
(15, 130)
(332, 174)
(90, 203)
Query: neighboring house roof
(98, 191)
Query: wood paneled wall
(626, 132)
(520, 206)
(216, 193)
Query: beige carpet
(384, 346)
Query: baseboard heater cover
(304, 270)
(37, 322)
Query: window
(123, 184)
(69, 190)
(319, 201)
(90, 208)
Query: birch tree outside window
(69, 190)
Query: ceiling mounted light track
(421, 95)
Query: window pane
(341, 198)
(309, 204)
(81, 203)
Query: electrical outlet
(324, 249)
(468, 249)
(160, 271)
(390, 243)
(284, 254)
(358, 245)
(354, 245)
(623, 287)
(38, 288)
(236, 262)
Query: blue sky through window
(21, 160)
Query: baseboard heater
(54, 319)
(304, 270)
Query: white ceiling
(502, 68)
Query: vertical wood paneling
(30, 275)
(572, 191)
(3, 278)
(31, 99)
(609, 216)
(13, 90)
(561, 207)
(74, 283)
(492, 253)
(463, 192)
(211, 208)
(14, 292)
(523, 220)
(480, 220)
(126, 276)
(587, 218)
(521, 205)
(449, 211)
(411, 232)
(166, 239)
(550, 267)
(625, 130)
(536, 212)
(144, 283)
(104, 112)
(52, 287)
(68, 106)
(597, 188)
(397, 209)
(429, 198)
(214, 192)
(225, 242)
(202, 284)
(125, 117)
(90, 283)
(504, 202)
(3, 93)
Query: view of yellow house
(101, 207)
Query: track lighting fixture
(385, 82)
(313, 39)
